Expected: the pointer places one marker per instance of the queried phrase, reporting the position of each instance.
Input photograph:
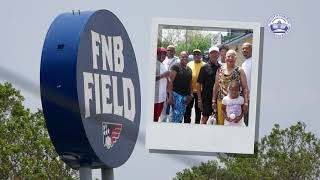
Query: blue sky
(290, 85)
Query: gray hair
(233, 52)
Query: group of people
(218, 88)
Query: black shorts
(207, 108)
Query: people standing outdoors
(205, 84)
(223, 51)
(160, 84)
(169, 61)
(180, 88)
(246, 66)
(223, 78)
(195, 66)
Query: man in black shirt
(180, 87)
(205, 84)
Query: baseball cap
(161, 49)
(196, 50)
(171, 47)
(214, 48)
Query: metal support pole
(85, 173)
(107, 173)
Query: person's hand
(188, 99)
(214, 106)
(237, 119)
(200, 105)
(228, 119)
(158, 77)
(170, 100)
(245, 108)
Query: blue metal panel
(66, 55)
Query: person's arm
(199, 91)
(190, 96)
(199, 87)
(238, 118)
(199, 83)
(199, 96)
(172, 76)
(224, 112)
(163, 75)
(245, 89)
(215, 90)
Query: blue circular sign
(90, 89)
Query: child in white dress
(232, 106)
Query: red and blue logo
(111, 133)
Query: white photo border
(196, 137)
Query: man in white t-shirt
(170, 60)
(246, 66)
(161, 84)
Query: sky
(289, 85)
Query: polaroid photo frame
(199, 138)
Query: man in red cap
(160, 84)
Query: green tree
(169, 37)
(26, 151)
(195, 40)
(291, 153)
(165, 43)
(208, 170)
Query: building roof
(237, 39)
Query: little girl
(232, 106)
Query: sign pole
(85, 173)
(107, 174)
